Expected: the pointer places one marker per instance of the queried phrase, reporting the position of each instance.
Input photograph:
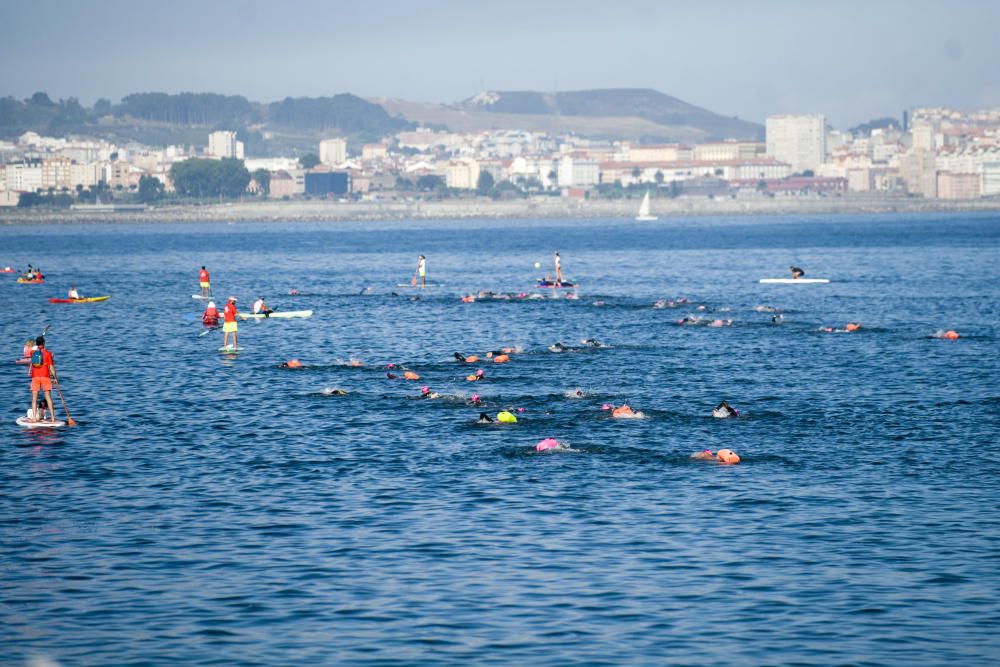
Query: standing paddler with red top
(205, 282)
(42, 371)
(229, 315)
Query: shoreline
(539, 208)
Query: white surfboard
(24, 421)
(793, 281)
(229, 349)
(280, 313)
(198, 296)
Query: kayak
(27, 423)
(87, 299)
(36, 281)
(554, 285)
(793, 281)
(8, 270)
(288, 313)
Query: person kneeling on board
(796, 272)
(210, 318)
(260, 308)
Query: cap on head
(425, 390)
(232, 298)
(40, 341)
(211, 304)
(480, 373)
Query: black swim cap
(40, 340)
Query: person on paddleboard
(73, 294)
(42, 371)
(558, 262)
(229, 326)
(260, 308)
(796, 272)
(204, 280)
(422, 270)
(210, 318)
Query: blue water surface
(220, 509)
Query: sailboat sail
(644, 209)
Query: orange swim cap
(471, 359)
(294, 363)
(410, 375)
(500, 359)
(727, 456)
(951, 334)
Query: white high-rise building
(798, 140)
(224, 144)
(333, 152)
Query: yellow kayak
(88, 299)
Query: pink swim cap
(606, 406)
(480, 372)
(520, 409)
(475, 397)
(547, 443)
(425, 390)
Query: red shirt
(230, 312)
(203, 276)
(43, 370)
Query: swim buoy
(501, 359)
(623, 411)
(472, 378)
(951, 335)
(410, 375)
(505, 417)
(471, 359)
(293, 363)
(547, 443)
(727, 456)
(851, 326)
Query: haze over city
(851, 61)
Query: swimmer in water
(333, 391)
(291, 363)
(796, 272)
(777, 319)
(593, 342)
(425, 392)
(476, 399)
(484, 419)
(557, 347)
(724, 411)
(724, 456)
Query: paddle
(69, 419)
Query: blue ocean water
(212, 509)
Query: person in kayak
(204, 281)
(422, 270)
(210, 318)
(73, 294)
(229, 326)
(796, 272)
(260, 308)
(42, 371)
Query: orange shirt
(203, 276)
(230, 312)
(43, 370)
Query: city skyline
(858, 62)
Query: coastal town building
(333, 152)
(224, 144)
(799, 140)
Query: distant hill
(632, 113)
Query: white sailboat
(644, 215)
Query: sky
(850, 60)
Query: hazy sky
(852, 60)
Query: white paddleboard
(418, 286)
(229, 349)
(198, 296)
(280, 313)
(793, 281)
(24, 421)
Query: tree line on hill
(344, 113)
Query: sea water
(221, 509)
